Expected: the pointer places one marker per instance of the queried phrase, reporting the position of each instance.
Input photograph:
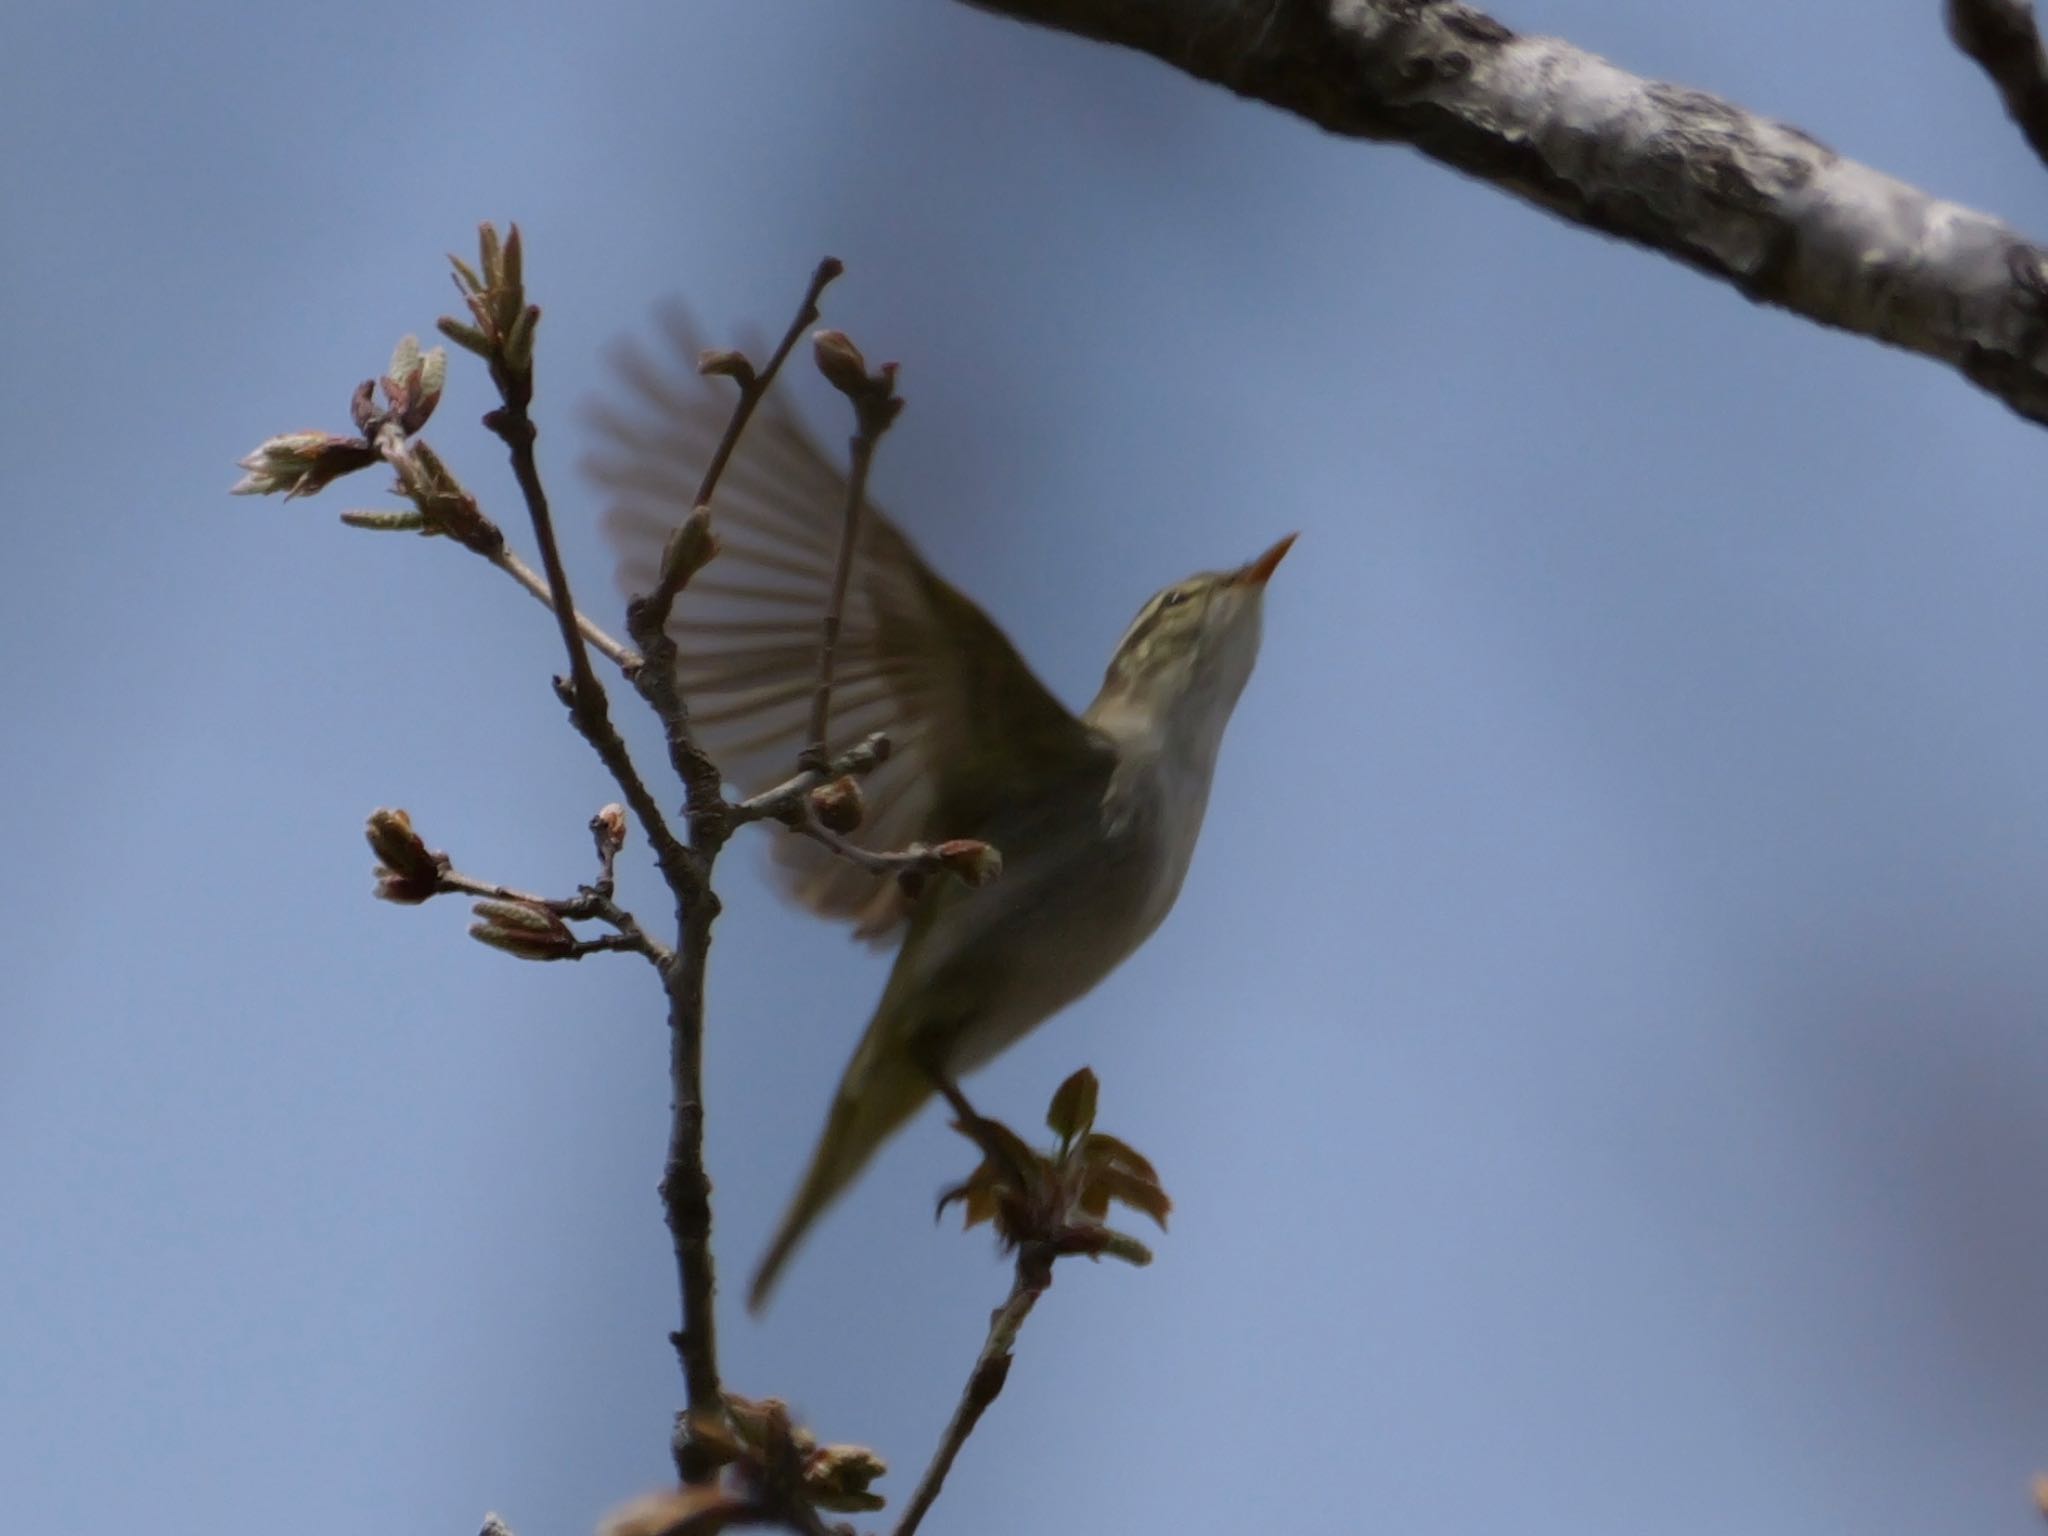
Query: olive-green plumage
(1096, 816)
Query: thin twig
(590, 904)
(622, 656)
(754, 388)
(598, 905)
(476, 532)
(515, 428)
(685, 1187)
(457, 883)
(781, 802)
(686, 1191)
(647, 616)
(863, 451)
(604, 943)
(874, 407)
(984, 1382)
(2002, 37)
(406, 458)
(917, 859)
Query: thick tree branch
(2002, 37)
(1756, 203)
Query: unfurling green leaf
(390, 520)
(468, 337)
(1072, 1111)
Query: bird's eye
(1176, 597)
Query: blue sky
(1598, 1055)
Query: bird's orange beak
(1257, 573)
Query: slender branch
(754, 386)
(917, 859)
(647, 616)
(421, 476)
(515, 428)
(591, 904)
(420, 473)
(984, 1382)
(862, 448)
(455, 882)
(1752, 202)
(624, 657)
(786, 798)
(2002, 37)
(685, 1186)
(875, 406)
(505, 328)
(604, 943)
(631, 935)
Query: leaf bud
(969, 859)
(523, 928)
(839, 805)
(408, 872)
(608, 827)
(841, 362)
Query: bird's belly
(1008, 958)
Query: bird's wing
(969, 723)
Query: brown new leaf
(1059, 1199)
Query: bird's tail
(871, 1105)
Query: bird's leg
(992, 1136)
(950, 1091)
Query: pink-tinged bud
(839, 805)
(523, 928)
(970, 860)
(608, 826)
(841, 362)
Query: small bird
(1095, 815)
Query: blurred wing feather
(916, 658)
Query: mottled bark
(1754, 202)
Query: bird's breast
(1083, 886)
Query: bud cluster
(1059, 1201)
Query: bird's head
(1188, 654)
